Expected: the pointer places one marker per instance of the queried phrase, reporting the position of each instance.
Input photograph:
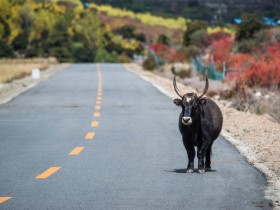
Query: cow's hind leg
(208, 158)
(191, 153)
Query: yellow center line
(98, 102)
(94, 123)
(99, 94)
(96, 114)
(3, 199)
(98, 98)
(48, 173)
(90, 135)
(97, 107)
(76, 151)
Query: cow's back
(216, 117)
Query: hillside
(199, 9)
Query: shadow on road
(184, 171)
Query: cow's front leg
(191, 153)
(201, 155)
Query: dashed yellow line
(97, 107)
(90, 135)
(98, 98)
(4, 199)
(94, 124)
(98, 102)
(96, 114)
(76, 151)
(48, 173)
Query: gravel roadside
(256, 137)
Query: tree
(5, 50)
(249, 26)
(191, 28)
(163, 39)
(127, 31)
(59, 41)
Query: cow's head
(190, 103)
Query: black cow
(200, 123)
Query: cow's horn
(205, 88)
(176, 88)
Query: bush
(20, 42)
(112, 57)
(102, 56)
(163, 39)
(149, 64)
(193, 51)
(263, 69)
(249, 26)
(185, 73)
(246, 46)
(199, 38)
(216, 36)
(123, 58)
(127, 31)
(221, 51)
(176, 55)
(5, 50)
(191, 28)
(62, 54)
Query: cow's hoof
(208, 169)
(189, 170)
(201, 171)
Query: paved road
(129, 157)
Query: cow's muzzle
(186, 120)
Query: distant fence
(211, 72)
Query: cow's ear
(202, 101)
(178, 102)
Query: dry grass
(11, 69)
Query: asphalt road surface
(100, 137)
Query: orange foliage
(220, 50)
(261, 69)
(264, 70)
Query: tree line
(62, 29)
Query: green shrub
(193, 51)
(112, 57)
(163, 39)
(185, 74)
(123, 58)
(100, 55)
(5, 50)
(245, 46)
(62, 54)
(199, 38)
(149, 64)
(83, 54)
(20, 42)
(191, 28)
(249, 26)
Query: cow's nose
(186, 119)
